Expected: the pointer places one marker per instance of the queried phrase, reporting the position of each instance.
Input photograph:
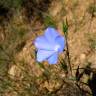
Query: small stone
(14, 71)
(82, 56)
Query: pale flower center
(57, 48)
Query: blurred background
(21, 21)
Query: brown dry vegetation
(21, 75)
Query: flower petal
(51, 34)
(61, 41)
(43, 55)
(53, 59)
(42, 43)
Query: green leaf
(65, 27)
(63, 65)
(72, 78)
(41, 65)
(48, 21)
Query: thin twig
(67, 51)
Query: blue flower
(49, 46)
